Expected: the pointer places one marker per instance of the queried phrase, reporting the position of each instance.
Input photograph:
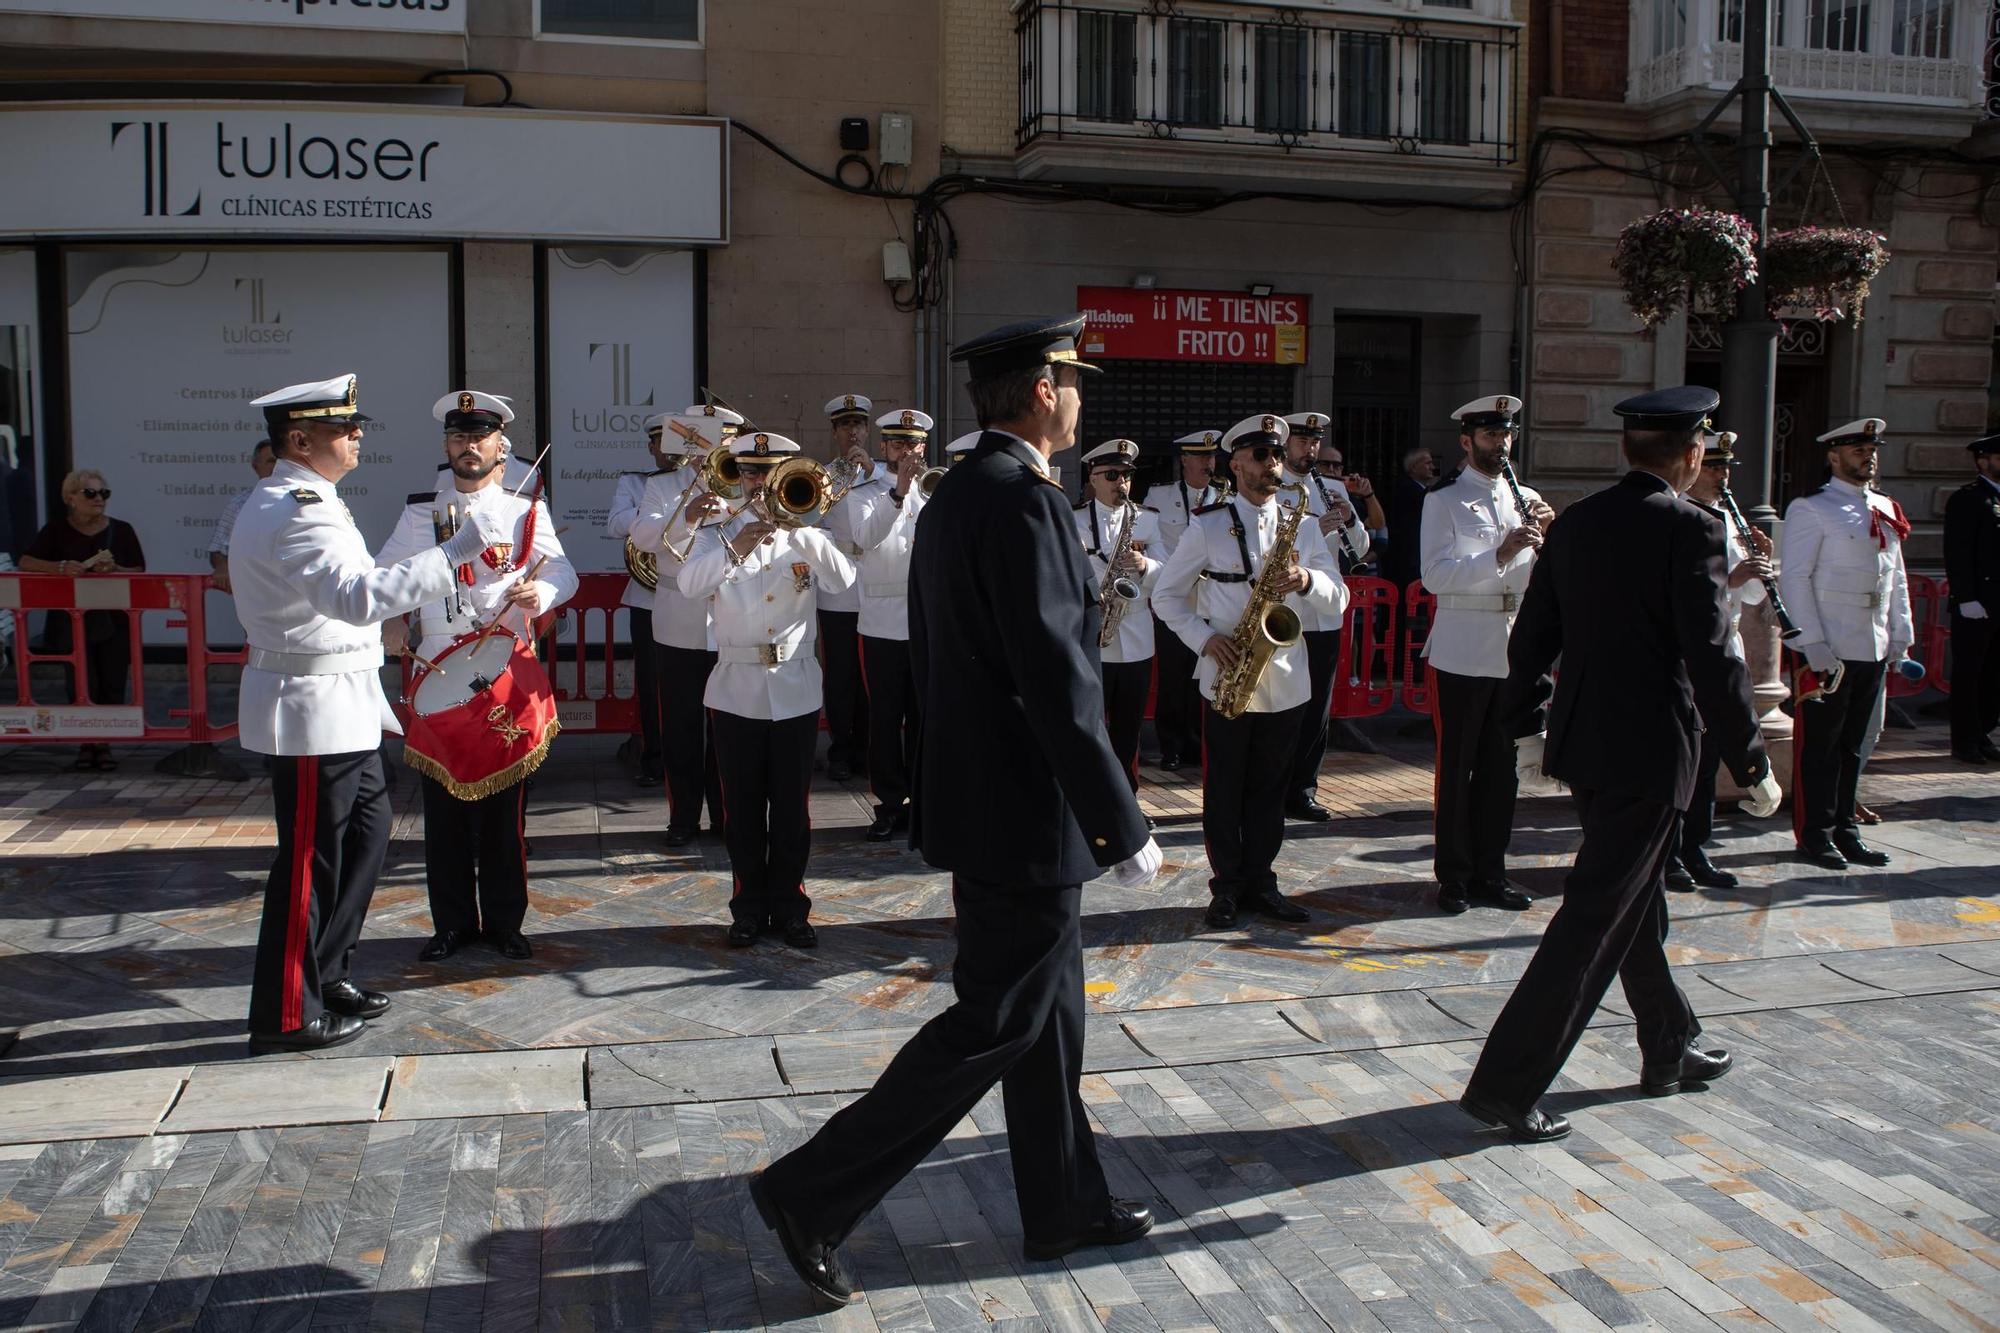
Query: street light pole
(1750, 337)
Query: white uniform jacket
(1464, 522)
(1842, 575)
(1194, 604)
(1175, 502)
(1734, 553)
(1352, 539)
(678, 621)
(312, 600)
(839, 525)
(493, 573)
(625, 499)
(765, 612)
(1134, 642)
(886, 533)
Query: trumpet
(928, 479)
(798, 491)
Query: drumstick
(528, 577)
(420, 659)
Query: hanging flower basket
(1680, 255)
(1824, 269)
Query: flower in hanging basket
(1680, 254)
(1824, 269)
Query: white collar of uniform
(485, 495)
(1109, 511)
(1479, 481)
(291, 473)
(1041, 464)
(1849, 488)
(1269, 506)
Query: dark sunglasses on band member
(1263, 453)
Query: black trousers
(475, 859)
(1246, 764)
(1178, 707)
(646, 690)
(1018, 1021)
(1612, 922)
(1125, 687)
(1829, 751)
(1698, 824)
(1475, 781)
(1322, 656)
(892, 718)
(766, 779)
(333, 831)
(107, 660)
(846, 696)
(1975, 682)
(687, 740)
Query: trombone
(720, 476)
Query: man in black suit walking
(1003, 655)
(1628, 591)
(1972, 569)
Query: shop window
(1364, 85)
(1194, 72)
(656, 20)
(1106, 66)
(1283, 80)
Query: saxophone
(1117, 594)
(1267, 624)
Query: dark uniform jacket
(1972, 545)
(1015, 781)
(1628, 591)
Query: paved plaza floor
(566, 1142)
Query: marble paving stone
(280, 1092)
(690, 1071)
(1478, 1006)
(1984, 955)
(838, 1061)
(1790, 982)
(1910, 971)
(87, 1106)
(1106, 1046)
(485, 1083)
(1386, 1018)
(1222, 1032)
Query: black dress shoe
(443, 945)
(1271, 903)
(1307, 810)
(800, 934)
(681, 837)
(1531, 1126)
(1694, 1066)
(889, 821)
(1977, 758)
(1499, 893)
(1856, 851)
(1679, 878)
(743, 934)
(344, 997)
(1452, 897)
(512, 944)
(329, 1029)
(1990, 750)
(1124, 1221)
(1221, 914)
(1170, 762)
(1705, 872)
(1816, 848)
(818, 1265)
(839, 770)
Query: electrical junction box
(899, 132)
(895, 262)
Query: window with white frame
(1106, 65)
(1444, 91)
(1922, 28)
(1839, 25)
(1364, 85)
(1284, 73)
(655, 20)
(1194, 71)
(1666, 25)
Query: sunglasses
(90, 493)
(1262, 453)
(1116, 474)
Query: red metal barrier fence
(1380, 662)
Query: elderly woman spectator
(86, 540)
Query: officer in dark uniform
(1003, 639)
(1628, 591)
(1972, 568)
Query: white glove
(1761, 801)
(479, 531)
(1972, 610)
(1528, 756)
(1820, 657)
(1137, 871)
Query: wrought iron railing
(1268, 77)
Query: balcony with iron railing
(1895, 66)
(1268, 91)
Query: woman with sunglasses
(86, 540)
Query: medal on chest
(802, 579)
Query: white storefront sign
(168, 347)
(390, 16)
(620, 348)
(339, 171)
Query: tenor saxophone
(1117, 594)
(1267, 624)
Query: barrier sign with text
(1136, 323)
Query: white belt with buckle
(1478, 601)
(900, 588)
(1835, 597)
(764, 654)
(340, 663)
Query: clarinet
(1340, 529)
(1514, 485)
(443, 533)
(1786, 629)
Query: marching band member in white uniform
(1126, 662)
(637, 598)
(1177, 703)
(840, 612)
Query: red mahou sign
(1127, 323)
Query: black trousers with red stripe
(646, 690)
(686, 739)
(333, 831)
(1322, 656)
(1476, 783)
(1177, 712)
(1125, 687)
(475, 859)
(846, 697)
(1829, 734)
(766, 780)
(892, 718)
(1246, 762)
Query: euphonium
(1117, 594)
(798, 491)
(1267, 624)
(643, 566)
